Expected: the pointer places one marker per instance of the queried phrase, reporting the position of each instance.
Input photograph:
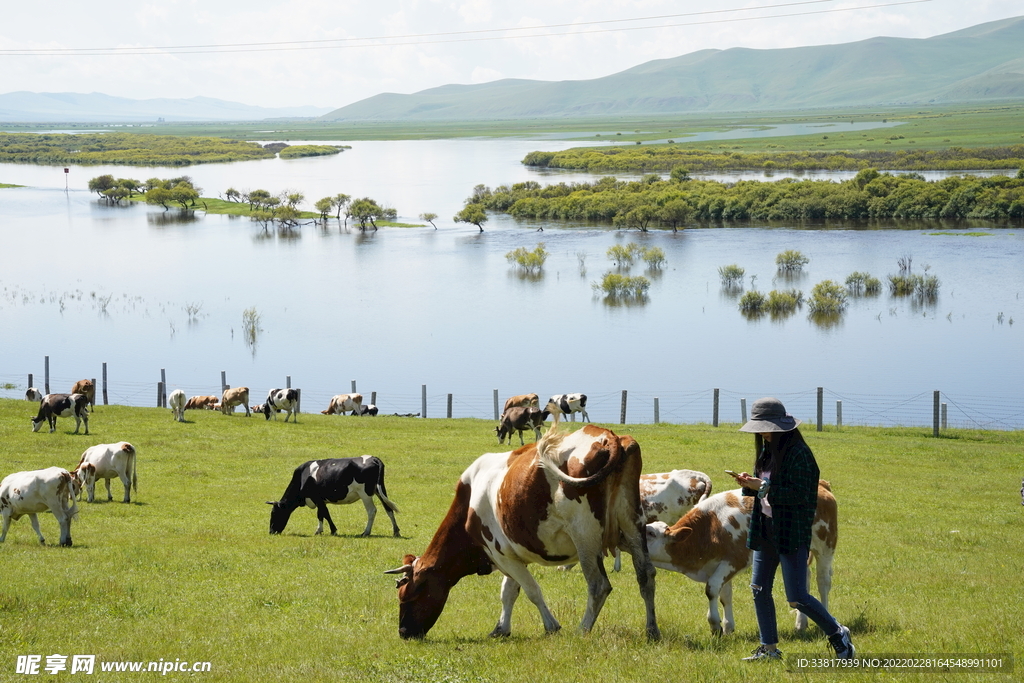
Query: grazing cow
(367, 409)
(522, 401)
(106, 461)
(567, 498)
(87, 388)
(337, 481)
(282, 399)
(62, 405)
(29, 493)
(202, 402)
(343, 403)
(177, 403)
(568, 404)
(239, 396)
(516, 419)
(709, 545)
(33, 394)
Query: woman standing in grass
(785, 482)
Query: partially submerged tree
(429, 217)
(472, 213)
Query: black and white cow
(518, 418)
(33, 394)
(282, 399)
(568, 404)
(366, 409)
(62, 405)
(337, 481)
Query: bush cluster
(133, 149)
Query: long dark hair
(768, 455)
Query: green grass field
(930, 557)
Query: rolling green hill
(981, 63)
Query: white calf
(106, 461)
(709, 545)
(177, 403)
(29, 493)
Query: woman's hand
(748, 481)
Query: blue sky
(261, 52)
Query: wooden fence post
(657, 416)
(30, 380)
(622, 411)
(935, 413)
(104, 383)
(714, 413)
(449, 406)
(159, 393)
(223, 381)
(163, 383)
(93, 401)
(743, 411)
(943, 417)
(298, 399)
(839, 414)
(423, 399)
(353, 386)
(373, 398)
(287, 381)
(46, 377)
(821, 407)
(496, 417)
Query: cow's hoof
(42, 541)
(498, 633)
(654, 634)
(67, 544)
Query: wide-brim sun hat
(769, 415)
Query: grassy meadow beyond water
(930, 558)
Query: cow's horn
(404, 569)
(271, 502)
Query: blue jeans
(794, 577)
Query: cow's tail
(133, 466)
(707, 491)
(66, 495)
(549, 443)
(381, 491)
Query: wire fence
(711, 406)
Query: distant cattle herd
(566, 498)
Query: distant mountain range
(981, 63)
(29, 107)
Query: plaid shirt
(793, 495)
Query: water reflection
(827, 321)
(170, 218)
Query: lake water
(86, 283)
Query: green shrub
(753, 302)
(623, 255)
(791, 261)
(732, 275)
(618, 286)
(827, 298)
(784, 302)
(654, 256)
(862, 283)
(530, 261)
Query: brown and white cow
(87, 388)
(567, 498)
(709, 545)
(201, 402)
(62, 405)
(667, 496)
(176, 402)
(239, 396)
(518, 418)
(521, 401)
(29, 493)
(106, 461)
(344, 403)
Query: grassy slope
(930, 529)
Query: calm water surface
(86, 283)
